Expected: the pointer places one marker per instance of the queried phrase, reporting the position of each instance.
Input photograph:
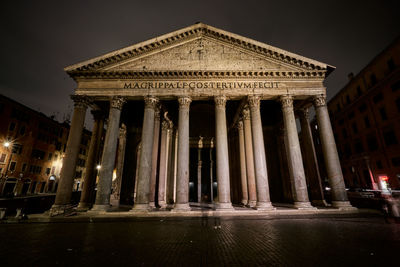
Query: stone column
(182, 179)
(248, 141)
(310, 160)
(295, 159)
(102, 202)
(224, 192)
(116, 184)
(145, 161)
(154, 158)
(242, 156)
(91, 171)
(212, 169)
(260, 164)
(199, 165)
(332, 163)
(64, 191)
(164, 151)
(172, 162)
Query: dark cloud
(40, 38)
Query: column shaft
(145, 161)
(260, 164)
(248, 141)
(199, 166)
(242, 156)
(224, 193)
(332, 163)
(91, 171)
(182, 179)
(154, 158)
(295, 160)
(108, 159)
(67, 174)
(164, 151)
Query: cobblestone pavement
(354, 241)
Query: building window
(362, 108)
(11, 127)
(347, 99)
(3, 157)
(37, 154)
(372, 143)
(359, 92)
(48, 171)
(373, 79)
(390, 137)
(82, 151)
(396, 161)
(338, 107)
(355, 129)
(366, 121)
(12, 166)
(391, 64)
(382, 112)
(378, 98)
(379, 164)
(22, 130)
(358, 147)
(17, 149)
(23, 167)
(78, 174)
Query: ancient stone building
(201, 115)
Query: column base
(82, 207)
(152, 205)
(181, 207)
(264, 206)
(224, 206)
(141, 207)
(343, 205)
(252, 203)
(245, 202)
(100, 207)
(57, 210)
(303, 206)
(319, 203)
(162, 204)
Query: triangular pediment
(199, 47)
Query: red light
(384, 178)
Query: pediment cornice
(196, 31)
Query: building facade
(365, 116)
(31, 151)
(200, 115)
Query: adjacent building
(365, 117)
(32, 147)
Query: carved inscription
(200, 85)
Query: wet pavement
(207, 241)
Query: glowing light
(7, 144)
(384, 178)
(98, 167)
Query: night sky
(40, 38)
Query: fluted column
(91, 171)
(164, 151)
(64, 191)
(242, 156)
(260, 164)
(182, 179)
(145, 161)
(310, 160)
(224, 190)
(248, 142)
(154, 158)
(108, 159)
(332, 163)
(295, 159)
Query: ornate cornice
(198, 31)
(184, 101)
(196, 74)
(319, 101)
(117, 102)
(286, 101)
(150, 102)
(80, 101)
(254, 101)
(220, 101)
(246, 113)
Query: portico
(204, 110)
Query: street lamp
(7, 144)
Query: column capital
(165, 125)
(184, 101)
(157, 112)
(319, 101)
(122, 130)
(80, 101)
(150, 102)
(200, 143)
(239, 125)
(286, 101)
(220, 101)
(246, 113)
(254, 101)
(117, 102)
